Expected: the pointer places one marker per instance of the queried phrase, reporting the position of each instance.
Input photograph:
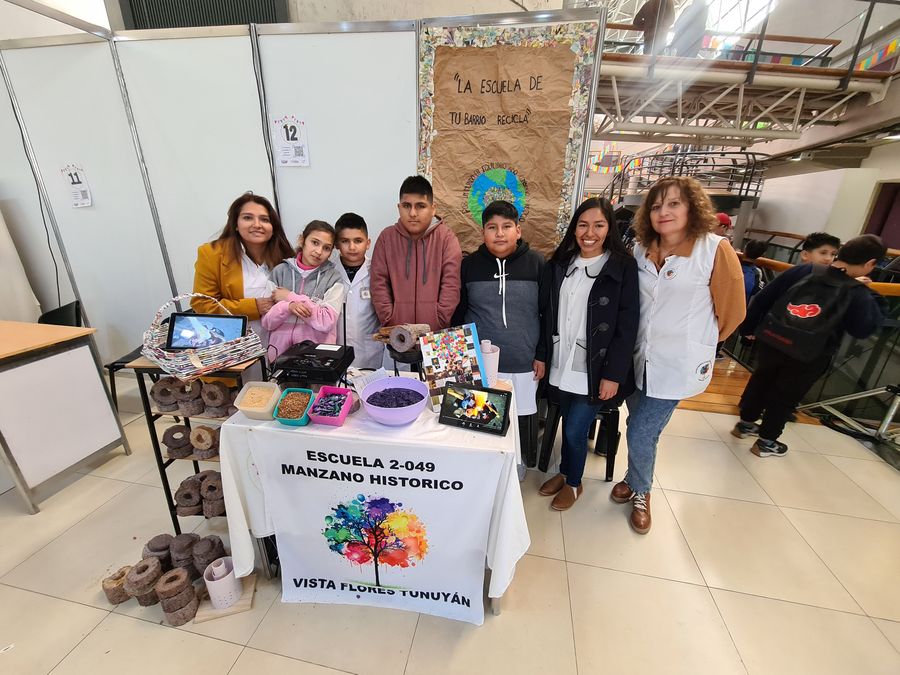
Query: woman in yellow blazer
(235, 268)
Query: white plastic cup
(224, 587)
(490, 354)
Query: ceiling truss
(690, 111)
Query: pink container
(394, 417)
(345, 408)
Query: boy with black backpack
(799, 320)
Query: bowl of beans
(332, 405)
(257, 400)
(293, 407)
(394, 401)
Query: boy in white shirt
(352, 243)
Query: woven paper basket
(190, 364)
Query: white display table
(462, 485)
(56, 412)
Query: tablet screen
(474, 408)
(195, 331)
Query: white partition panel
(196, 108)
(357, 94)
(72, 106)
(21, 209)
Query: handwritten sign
(501, 117)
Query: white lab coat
(678, 330)
(362, 322)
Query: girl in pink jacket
(309, 296)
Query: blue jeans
(647, 417)
(577, 416)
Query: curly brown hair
(701, 215)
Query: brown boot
(621, 493)
(566, 497)
(552, 486)
(640, 513)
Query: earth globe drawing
(494, 184)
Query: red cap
(724, 219)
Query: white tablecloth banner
(250, 507)
(405, 528)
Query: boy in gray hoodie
(500, 295)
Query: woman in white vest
(692, 297)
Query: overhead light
(796, 159)
(893, 137)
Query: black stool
(413, 358)
(114, 367)
(606, 440)
(528, 437)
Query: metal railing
(737, 173)
(735, 53)
(754, 47)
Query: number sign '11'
(77, 184)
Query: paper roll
(405, 337)
(491, 357)
(224, 587)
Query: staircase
(729, 177)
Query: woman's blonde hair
(701, 215)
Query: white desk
(55, 410)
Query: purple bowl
(395, 417)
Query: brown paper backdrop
(534, 150)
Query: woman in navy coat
(588, 334)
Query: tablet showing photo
(195, 331)
(476, 408)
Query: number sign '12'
(291, 146)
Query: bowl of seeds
(257, 400)
(293, 407)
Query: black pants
(776, 387)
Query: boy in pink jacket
(414, 275)
(309, 296)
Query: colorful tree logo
(375, 529)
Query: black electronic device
(476, 408)
(313, 363)
(195, 331)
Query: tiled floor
(753, 566)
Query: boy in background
(353, 242)
(499, 293)
(753, 280)
(414, 275)
(723, 229)
(819, 248)
(800, 319)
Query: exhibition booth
(134, 144)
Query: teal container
(301, 421)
